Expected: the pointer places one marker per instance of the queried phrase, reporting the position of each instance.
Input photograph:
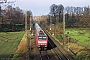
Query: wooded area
(76, 17)
(12, 18)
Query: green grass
(82, 35)
(9, 42)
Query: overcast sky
(39, 7)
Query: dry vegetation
(22, 49)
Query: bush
(59, 36)
(15, 56)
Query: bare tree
(53, 12)
(60, 9)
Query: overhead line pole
(26, 34)
(30, 30)
(49, 17)
(25, 21)
(63, 26)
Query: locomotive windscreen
(41, 37)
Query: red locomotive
(41, 38)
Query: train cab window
(44, 38)
(41, 38)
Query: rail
(44, 55)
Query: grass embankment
(82, 48)
(22, 48)
(8, 43)
(81, 35)
(23, 45)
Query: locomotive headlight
(38, 46)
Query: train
(41, 38)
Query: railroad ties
(44, 55)
(59, 53)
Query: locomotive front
(41, 38)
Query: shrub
(59, 36)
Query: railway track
(58, 52)
(61, 54)
(54, 53)
(44, 55)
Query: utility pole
(26, 34)
(63, 26)
(30, 23)
(26, 24)
(89, 9)
(30, 30)
(55, 27)
(25, 21)
(50, 22)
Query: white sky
(39, 7)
